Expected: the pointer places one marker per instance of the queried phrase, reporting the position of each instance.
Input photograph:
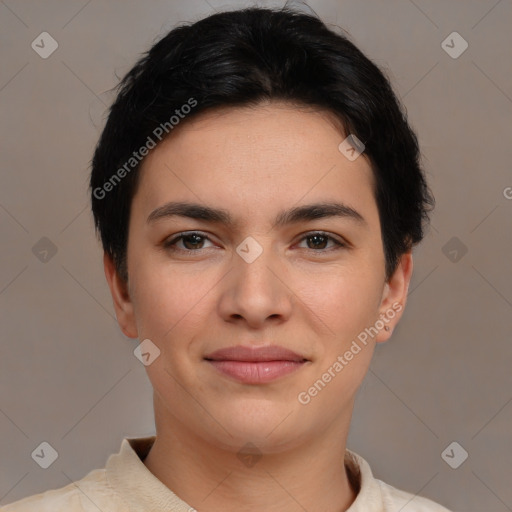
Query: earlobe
(123, 304)
(394, 297)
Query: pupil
(189, 237)
(316, 237)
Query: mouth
(257, 365)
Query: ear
(394, 297)
(123, 304)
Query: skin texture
(255, 162)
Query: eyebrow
(220, 216)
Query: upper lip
(254, 354)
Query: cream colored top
(126, 485)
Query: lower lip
(257, 372)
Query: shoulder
(90, 494)
(374, 495)
(395, 499)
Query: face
(311, 281)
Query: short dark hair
(243, 58)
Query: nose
(256, 291)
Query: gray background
(68, 376)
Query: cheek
(169, 311)
(167, 301)
(345, 300)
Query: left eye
(320, 239)
(191, 240)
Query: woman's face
(309, 283)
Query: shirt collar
(143, 492)
(135, 484)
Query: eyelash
(171, 244)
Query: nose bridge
(255, 292)
(254, 260)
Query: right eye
(190, 240)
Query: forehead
(254, 161)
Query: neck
(311, 476)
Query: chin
(271, 428)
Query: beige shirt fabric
(126, 485)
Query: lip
(256, 365)
(255, 354)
